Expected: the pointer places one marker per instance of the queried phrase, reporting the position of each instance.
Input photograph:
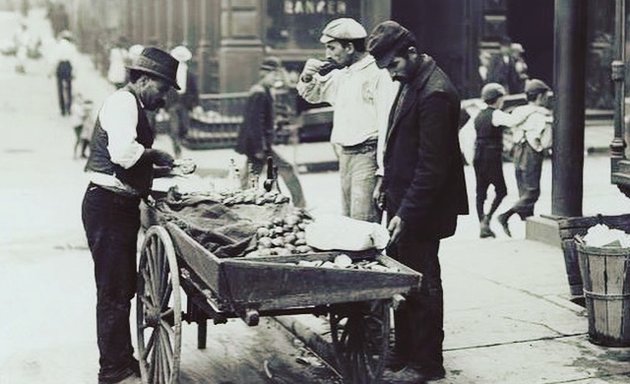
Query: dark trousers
(178, 126)
(64, 86)
(488, 164)
(419, 322)
(528, 168)
(286, 170)
(111, 223)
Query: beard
(155, 105)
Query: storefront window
(297, 24)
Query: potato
(263, 232)
(278, 230)
(302, 226)
(290, 238)
(303, 249)
(265, 242)
(300, 242)
(287, 228)
(278, 221)
(284, 252)
(260, 201)
(290, 247)
(264, 252)
(278, 242)
(300, 235)
(292, 220)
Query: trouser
(488, 166)
(357, 168)
(286, 170)
(528, 169)
(111, 222)
(419, 322)
(178, 126)
(64, 86)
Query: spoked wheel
(360, 333)
(159, 309)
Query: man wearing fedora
(361, 95)
(425, 191)
(120, 168)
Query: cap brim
(325, 39)
(155, 73)
(384, 60)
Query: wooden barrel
(605, 273)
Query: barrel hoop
(604, 296)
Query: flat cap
(343, 29)
(270, 63)
(536, 86)
(492, 91)
(386, 40)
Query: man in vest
(488, 160)
(120, 168)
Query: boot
(503, 220)
(485, 231)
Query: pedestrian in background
(63, 56)
(179, 103)
(121, 167)
(118, 58)
(361, 95)
(488, 158)
(424, 191)
(529, 144)
(256, 136)
(502, 68)
(79, 111)
(519, 65)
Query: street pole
(568, 127)
(618, 145)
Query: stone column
(203, 47)
(169, 9)
(241, 48)
(569, 89)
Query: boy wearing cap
(425, 191)
(361, 95)
(256, 136)
(120, 168)
(528, 150)
(488, 161)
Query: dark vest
(140, 175)
(488, 135)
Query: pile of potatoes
(343, 261)
(283, 236)
(252, 196)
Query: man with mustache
(361, 95)
(120, 168)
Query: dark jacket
(189, 99)
(256, 133)
(504, 74)
(424, 175)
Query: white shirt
(119, 117)
(500, 118)
(532, 121)
(362, 96)
(63, 51)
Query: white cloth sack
(329, 232)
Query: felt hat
(156, 62)
(386, 40)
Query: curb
(312, 338)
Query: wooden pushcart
(357, 302)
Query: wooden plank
(286, 285)
(614, 286)
(625, 313)
(201, 261)
(597, 273)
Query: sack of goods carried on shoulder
(330, 232)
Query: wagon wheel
(360, 333)
(158, 309)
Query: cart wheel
(159, 309)
(360, 333)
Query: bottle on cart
(233, 179)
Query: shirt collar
(359, 65)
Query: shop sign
(310, 7)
